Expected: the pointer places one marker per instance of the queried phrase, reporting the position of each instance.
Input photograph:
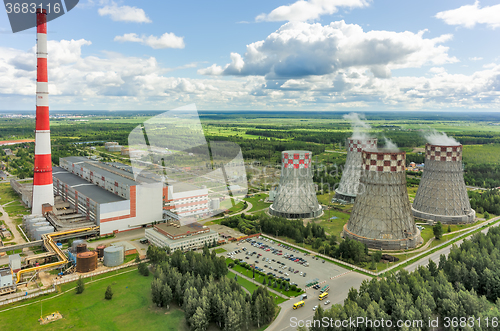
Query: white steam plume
(439, 138)
(358, 125)
(390, 145)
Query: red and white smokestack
(42, 177)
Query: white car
(314, 308)
(301, 273)
(327, 302)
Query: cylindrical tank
(33, 228)
(86, 261)
(42, 230)
(76, 243)
(80, 248)
(100, 251)
(113, 256)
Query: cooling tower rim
(443, 145)
(384, 151)
(361, 139)
(295, 151)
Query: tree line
(197, 283)
(488, 201)
(463, 286)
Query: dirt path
(11, 224)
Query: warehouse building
(185, 237)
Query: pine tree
(438, 230)
(199, 321)
(109, 293)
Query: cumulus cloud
(300, 49)
(124, 13)
(166, 40)
(470, 15)
(303, 10)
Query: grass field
(220, 250)
(130, 309)
(479, 154)
(334, 226)
(256, 204)
(7, 194)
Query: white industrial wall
(149, 208)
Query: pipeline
(48, 243)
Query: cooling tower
(296, 194)
(381, 216)
(442, 195)
(348, 186)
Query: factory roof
(171, 242)
(183, 187)
(116, 171)
(5, 272)
(174, 231)
(90, 190)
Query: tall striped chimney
(42, 178)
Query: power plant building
(108, 196)
(296, 194)
(442, 195)
(381, 216)
(348, 187)
(185, 237)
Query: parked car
(327, 302)
(315, 307)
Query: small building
(185, 237)
(15, 262)
(6, 278)
(8, 152)
(215, 204)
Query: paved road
(339, 288)
(435, 256)
(11, 224)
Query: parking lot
(267, 256)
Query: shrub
(109, 293)
(80, 286)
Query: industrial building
(185, 237)
(296, 194)
(381, 216)
(442, 195)
(186, 200)
(108, 196)
(348, 187)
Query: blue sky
(266, 55)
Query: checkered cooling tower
(381, 216)
(296, 193)
(442, 195)
(348, 186)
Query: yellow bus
(323, 295)
(298, 304)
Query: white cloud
(470, 15)
(300, 49)
(124, 13)
(475, 58)
(303, 10)
(167, 40)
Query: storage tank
(42, 230)
(100, 251)
(86, 261)
(80, 248)
(33, 228)
(113, 256)
(76, 243)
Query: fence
(29, 296)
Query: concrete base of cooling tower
(346, 197)
(444, 219)
(291, 215)
(386, 244)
